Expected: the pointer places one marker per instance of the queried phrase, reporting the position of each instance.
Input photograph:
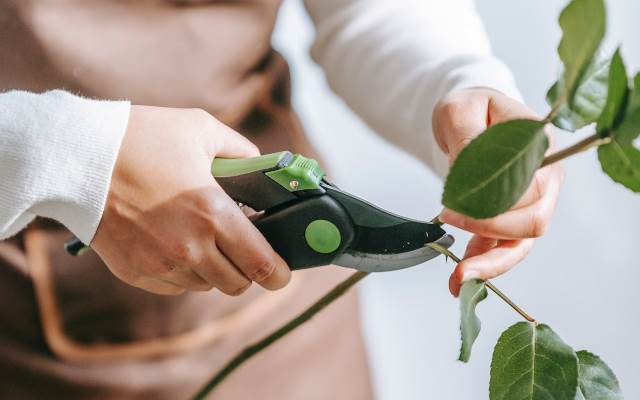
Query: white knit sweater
(390, 61)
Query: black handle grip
(255, 190)
(286, 230)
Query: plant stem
(491, 286)
(584, 144)
(554, 109)
(268, 340)
(507, 300)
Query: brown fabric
(68, 328)
(214, 55)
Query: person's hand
(498, 243)
(168, 226)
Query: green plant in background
(489, 176)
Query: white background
(581, 278)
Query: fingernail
(470, 275)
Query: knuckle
(261, 270)
(202, 202)
(466, 223)
(205, 202)
(538, 186)
(214, 210)
(451, 107)
(183, 253)
(537, 224)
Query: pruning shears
(310, 222)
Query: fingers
(249, 251)
(185, 277)
(157, 286)
(500, 242)
(526, 222)
(219, 247)
(193, 273)
(479, 245)
(490, 259)
(221, 273)
(222, 141)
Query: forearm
(57, 153)
(391, 61)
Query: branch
(279, 333)
(584, 144)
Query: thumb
(503, 108)
(225, 142)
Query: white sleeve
(57, 153)
(392, 60)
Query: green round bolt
(323, 236)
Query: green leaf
(588, 101)
(531, 362)
(622, 163)
(618, 89)
(495, 169)
(620, 159)
(583, 24)
(596, 380)
(471, 293)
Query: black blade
(391, 262)
(378, 231)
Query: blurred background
(581, 278)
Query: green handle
(227, 167)
(293, 172)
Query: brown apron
(68, 328)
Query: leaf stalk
(507, 300)
(556, 108)
(448, 253)
(583, 145)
